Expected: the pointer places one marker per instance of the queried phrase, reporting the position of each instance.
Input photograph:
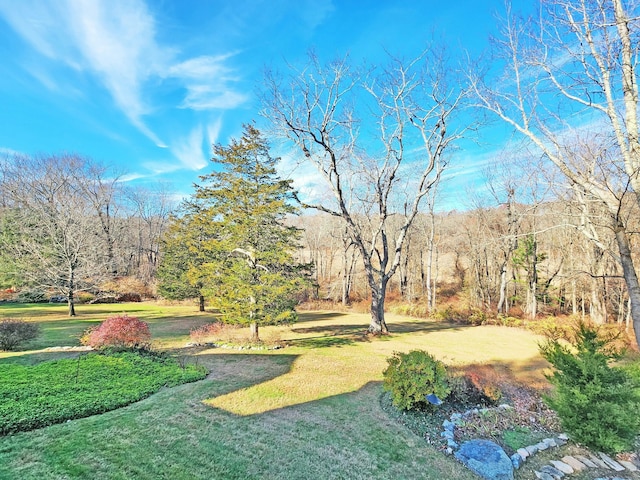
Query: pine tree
(250, 273)
(180, 270)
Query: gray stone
(598, 462)
(455, 417)
(487, 459)
(452, 444)
(543, 475)
(550, 442)
(563, 467)
(448, 434)
(524, 453)
(628, 465)
(448, 425)
(586, 461)
(560, 442)
(611, 462)
(505, 406)
(542, 446)
(563, 436)
(553, 471)
(532, 449)
(516, 460)
(576, 464)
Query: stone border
(557, 469)
(232, 347)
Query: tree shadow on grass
(304, 317)
(236, 371)
(347, 334)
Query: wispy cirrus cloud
(189, 150)
(115, 41)
(208, 83)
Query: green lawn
(310, 410)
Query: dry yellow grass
(343, 360)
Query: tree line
(381, 138)
(68, 225)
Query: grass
(52, 392)
(170, 324)
(312, 408)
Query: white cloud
(213, 131)
(9, 152)
(211, 97)
(189, 150)
(208, 83)
(115, 40)
(158, 167)
(309, 184)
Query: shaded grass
(295, 413)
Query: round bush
(13, 332)
(119, 331)
(410, 377)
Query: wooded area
(555, 232)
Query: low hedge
(56, 391)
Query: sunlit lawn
(170, 324)
(310, 410)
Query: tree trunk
(597, 306)
(201, 303)
(630, 278)
(431, 301)
(254, 332)
(70, 299)
(347, 272)
(71, 303)
(502, 301)
(378, 325)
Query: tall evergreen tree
(180, 273)
(250, 273)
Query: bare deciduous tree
(57, 240)
(379, 139)
(571, 82)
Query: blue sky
(148, 86)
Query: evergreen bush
(598, 403)
(410, 377)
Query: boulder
(486, 458)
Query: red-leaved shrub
(119, 331)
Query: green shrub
(598, 404)
(476, 317)
(56, 391)
(448, 314)
(410, 377)
(14, 332)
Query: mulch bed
(528, 421)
